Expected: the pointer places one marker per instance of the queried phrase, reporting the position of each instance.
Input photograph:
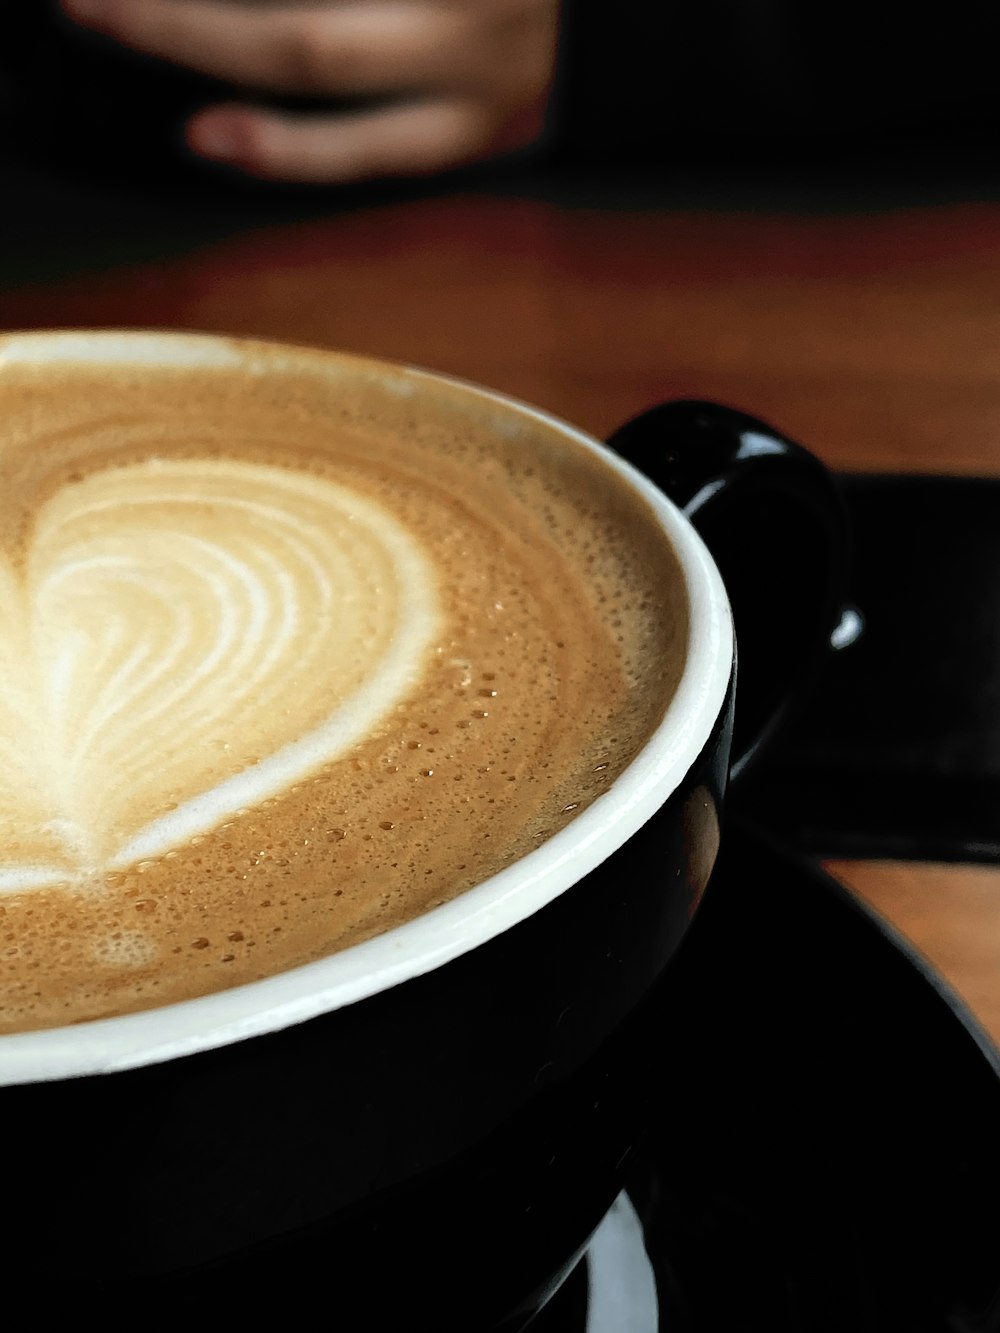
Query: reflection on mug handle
(774, 520)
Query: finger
(353, 47)
(411, 140)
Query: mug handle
(775, 522)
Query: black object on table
(897, 752)
(825, 1156)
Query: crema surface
(291, 652)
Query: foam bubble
(125, 949)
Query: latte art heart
(294, 649)
(185, 639)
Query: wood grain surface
(874, 337)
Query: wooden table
(873, 337)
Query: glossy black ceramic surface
(774, 520)
(822, 1157)
(825, 1155)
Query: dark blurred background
(717, 102)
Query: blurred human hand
(456, 81)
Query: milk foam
(293, 650)
(189, 638)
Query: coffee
(294, 647)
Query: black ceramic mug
(423, 1130)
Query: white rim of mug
(152, 1036)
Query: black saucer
(826, 1157)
